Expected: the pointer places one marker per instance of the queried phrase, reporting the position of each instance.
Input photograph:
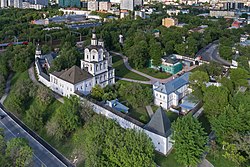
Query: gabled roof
(73, 75)
(159, 123)
(174, 85)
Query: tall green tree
(189, 140)
(103, 141)
(65, 120)
(215, 99)
(19, 152)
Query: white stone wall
(161, 144)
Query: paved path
(152, 79)
(150, 111)
(198, 113)
(33, 79)
(205, 163)
(133, 80)
(41, 156)
(7, 89)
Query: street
(41, 156)
(211, 53)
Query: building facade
(169, 94)
(168, 22)
(69, 3)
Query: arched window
(96, 67)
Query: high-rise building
(4, 3)
(10, 3)
(127, 4)
(18, 3)
(69, 3)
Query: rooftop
(159, 123)
(173, 85)
(73, 75)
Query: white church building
(96, 68)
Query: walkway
(150, 111)
(136, 81)
(7, 89)
(205, 163)
(34, 80)
(152, 79)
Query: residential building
(140, 14)
(18, 3)
(130, 4)
(115, 104)
(93, 5)
(69, 3)
(104, 6)
(170, 64)
(168, 22)
(4, 3)
(222, 13)
(169, 94)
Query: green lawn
(139, 114)
(122, 71)
(168, 161)
(155, 73)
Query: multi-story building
(168, 22)
(169, 94)
(92, 5)
(104, 6)
(18, 3)
(69, 3)
(4, 3)
(96, 68)
(130, 4)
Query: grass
(152, 72)
(219, 161)
(139, 114)
(168, 161)
(122, 71)
(155, 73)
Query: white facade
(96, 68)
(169, 94)
(93, 5)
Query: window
(71, 89)
(156, 94)
(87, 56)
(93, 56)
(81, 87)
(159, 143)
(86, 85)
(96, 67)
(163, 97)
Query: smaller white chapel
(96, 68)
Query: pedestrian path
(150, 111)
(7, 89)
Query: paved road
(41, 155)
(211, 53)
